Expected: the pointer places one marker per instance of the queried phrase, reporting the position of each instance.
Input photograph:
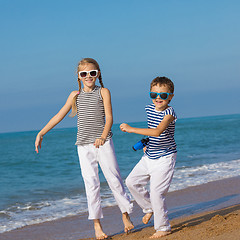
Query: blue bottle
(141, 144)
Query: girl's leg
(136, 182)
(161, 176)
(98, 230)
(110, 169)
(89, 168)
(128, 225)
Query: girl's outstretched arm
(154, 132)
(55, 120)
(108, 117)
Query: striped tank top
(165, 143)
(90, 116)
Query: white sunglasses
(92, 73)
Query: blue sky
(195, 43)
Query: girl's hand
(99, 142)
(38, 142)
(125, 127)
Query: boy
(158, 161)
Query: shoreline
(208, 197)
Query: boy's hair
(163, 81)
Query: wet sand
(212, 209)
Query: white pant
(159, 172)
(89, 157)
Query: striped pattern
(165, 143)
(91, 116)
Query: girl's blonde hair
(83, 62)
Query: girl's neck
(88, 89)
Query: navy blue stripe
(165, 143)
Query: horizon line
(34, 130)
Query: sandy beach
(220, 225)
(207, 211)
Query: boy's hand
(144, 149)
(125, 127)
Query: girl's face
(88, 81)
(160, 104)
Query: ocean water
(46, 186)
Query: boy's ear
(171, 96)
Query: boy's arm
(153, 132)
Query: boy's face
(160, 104)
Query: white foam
(191, 176)
(22, 215)
(29, 213)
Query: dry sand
(222, 224)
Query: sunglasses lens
(153, 95)
(83, 74)
(164, 96)
(93, 73)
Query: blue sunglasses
(162, 95)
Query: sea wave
(191, 176)
(20, 215)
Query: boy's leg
(110, 169)
(89, 168)
(161, 177)
(136, 182)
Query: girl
(92, 104)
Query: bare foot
(159, 234)
(98, 230)
(147, 217)
(127, 222)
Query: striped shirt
(90, 116)
(165, 143)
